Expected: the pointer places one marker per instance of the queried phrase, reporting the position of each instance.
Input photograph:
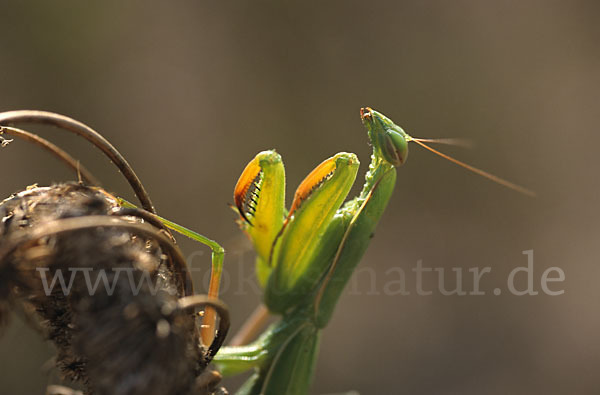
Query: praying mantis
(304, 256)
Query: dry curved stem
(221, 309)
(80, 129)
(185, 286)
(63, 156)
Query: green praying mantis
(304, 256)
(307, 254)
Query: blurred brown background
(189, 92)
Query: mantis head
(388, 139)
(390, 142)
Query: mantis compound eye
(395, 147)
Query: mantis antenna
(475, 170)
(451, 141)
